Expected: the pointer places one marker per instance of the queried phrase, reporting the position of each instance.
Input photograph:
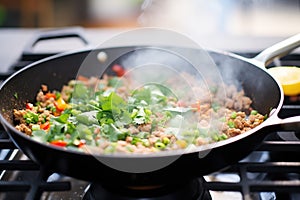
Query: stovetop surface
(275, 174)
(14, 40)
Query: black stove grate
(281, 176)
(11, 186)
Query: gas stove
(270, 172)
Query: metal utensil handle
(278, 50)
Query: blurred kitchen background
(234, 17)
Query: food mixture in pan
(103, 115)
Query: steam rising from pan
(156, 59)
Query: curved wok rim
(180, 152)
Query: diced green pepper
(223, 137)
(253, 112)
(233, 115)
(230, 124)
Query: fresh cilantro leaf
(80, 91)
(40, 135)
(143, 94)
(63, 118)
(125, 117)
(141, 115)
(105, 117)
(139, 120)
(84, 132)
(112, 103)
(113, 133)
(88, 118)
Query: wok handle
(75, 32)
(289, 123)
(278, 50)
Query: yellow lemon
(288, 77)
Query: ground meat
(231, 132)
(66, 92)
(241, 114)
(44, 88)
(18, 114)
(201, 141)
(229, 103)
(145, 128)
(24, 128)
(246, 102)
(243, 123)
(133, 129)
(128, 139)
(40, 96)
(238, 123)
(153, 139)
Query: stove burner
(191, 190)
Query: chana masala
(105, 116)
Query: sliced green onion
(159, 145)
(166, 140)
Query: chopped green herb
(16, 95)
(31, 118)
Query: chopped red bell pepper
(45, 126)
(119, 70)
(59, 143)
(50, 95)
(60, 104)
(81, 143)
(29, 106)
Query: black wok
(55, 71)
